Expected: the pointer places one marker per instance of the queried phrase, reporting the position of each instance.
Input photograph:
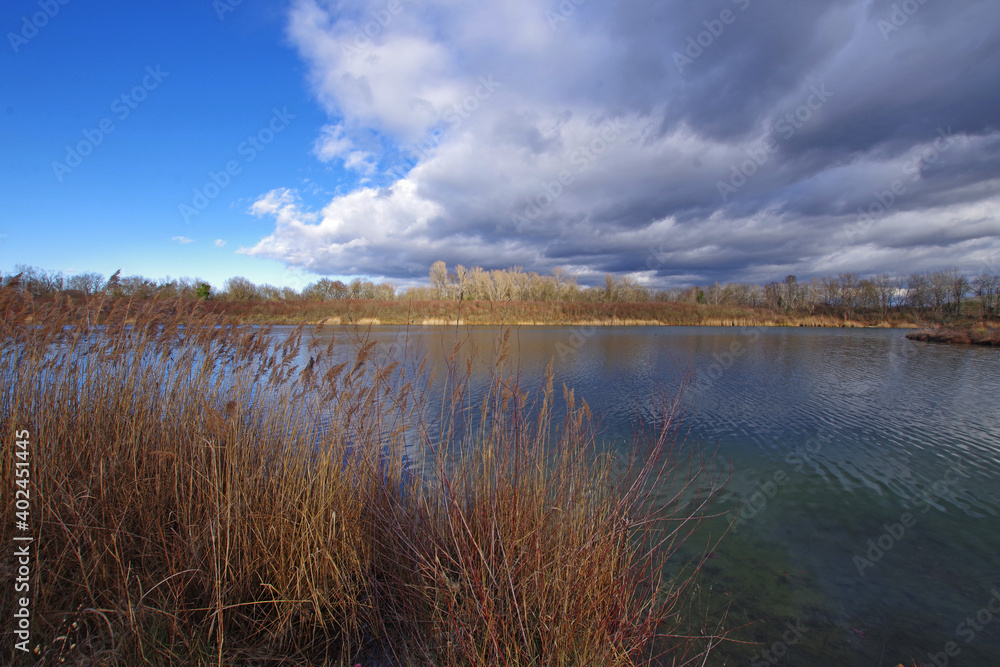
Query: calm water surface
(863, 477)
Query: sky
(674, 142)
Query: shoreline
(371, 312)
(978, 335)
(376, 322)
(360, 312)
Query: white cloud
(361, 161)
(219, 243)
(585, 147)
(183, 240)
(397, 82)
(365, 220)
(332, 143)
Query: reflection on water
(863, 491)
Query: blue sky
(218, 82)
(671, 141)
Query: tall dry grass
(207, 494)
(981, 333)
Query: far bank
(367, 312)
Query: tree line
(943, 293)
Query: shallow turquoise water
(863, 477)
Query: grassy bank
(187, 508)
(969, 334)
(525, 313)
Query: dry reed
(986, 334)
(210, 494)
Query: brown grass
(972, 334)
(205, 494)
(351, 312)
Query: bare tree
(136, 287)
(812, 294)
(610, 288)
(886, 288)
(167, 288)
(240, 289)
(356, 288)
(939, 284)
(268, 292)
(325, 289)
(918, 291)
(773, 295)
(463, 282)
(439, 279)
(831, 294)
(987, 288)
(791, 292)
(518, 282)
(849, 291)
(39, 282)
(482, 284)
(714, 292)
(561, 279)
(867, 295)
(501, 286)
(88, 283)
(959, 287)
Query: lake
(862, 476)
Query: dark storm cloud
(669, 140)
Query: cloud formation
(731, 140)
(183, 240)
